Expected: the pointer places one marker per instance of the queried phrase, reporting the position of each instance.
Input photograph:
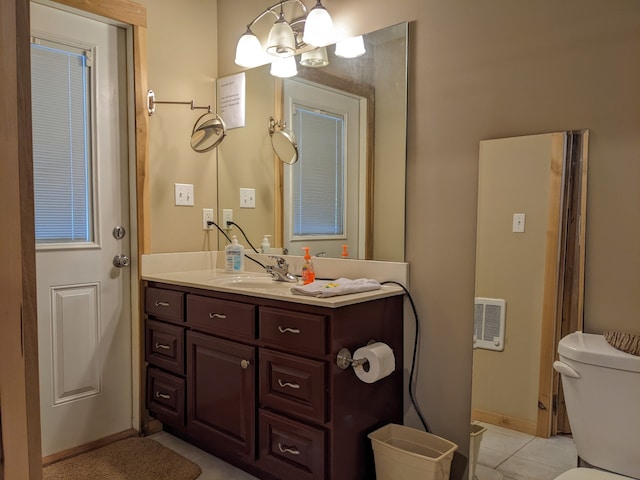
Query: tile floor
(212, 467)
(504, 454)
(518, 456)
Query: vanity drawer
(293, 385)
(165, 346)
(223, 317)
(166, 397)
(164, 304)
(288, 449)
(293, 331)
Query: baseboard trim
(72, 452)
(512, 423)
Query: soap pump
(266, 246)
(234, 256)
(308, 274)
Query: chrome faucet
(280, 271)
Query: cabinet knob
(162, 395)
(161, 304)
(163, 346)
(245, 364)
(217, 315)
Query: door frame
(19, 384)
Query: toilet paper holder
(344, 359)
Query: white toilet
(602, 392)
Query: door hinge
(554, 404)
(88, 55)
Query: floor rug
(134, 458)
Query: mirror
(246, 158)
(283, 143)
(208, 131)
(529, 275)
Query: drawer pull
(217, 315)
(163, 395)
(285, 449)
(288, 330)
(161, 304)
(288, 384)
(162, 345)
(244, 364)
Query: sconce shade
(318, 28)
(315, 58)
(350, 47)
(284, 67)
(249, 52)
(281, 42)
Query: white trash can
(476, 437)
(406, 453)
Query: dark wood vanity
(255, 382)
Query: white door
(81, 194)
(323, 206)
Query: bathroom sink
(251, 282)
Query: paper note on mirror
(231, 100)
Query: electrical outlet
(207, 216)
(227, 216)
(518, 223)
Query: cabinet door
(221, 395)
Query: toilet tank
(602, 392)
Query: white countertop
(251, 284)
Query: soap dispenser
(234, 257)
(308, 274)
(266, 246)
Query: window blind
(318, 195)
(60, 94)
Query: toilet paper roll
(381, 362)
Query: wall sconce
(285, 37)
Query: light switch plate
(184, 194)
(247, 198)
(518, 223)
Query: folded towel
(332, 288)
(626, 342)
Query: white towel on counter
(332, 288)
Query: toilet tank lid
(588, 474)
(594, 350)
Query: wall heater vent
(488, 323)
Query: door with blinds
(81, 192)
(323, 206)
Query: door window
(61, 110)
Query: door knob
(120, 260)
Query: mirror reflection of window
(318, 178)
(321, 203)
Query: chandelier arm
(275, 6)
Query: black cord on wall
(413, 358)
(211, 222)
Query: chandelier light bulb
(318, 29)
(350, 47)
(249, 52)
(284, 67)
(281, 42)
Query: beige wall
(246, 160)
(182, 66)
(514, 176)
(478, 70)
